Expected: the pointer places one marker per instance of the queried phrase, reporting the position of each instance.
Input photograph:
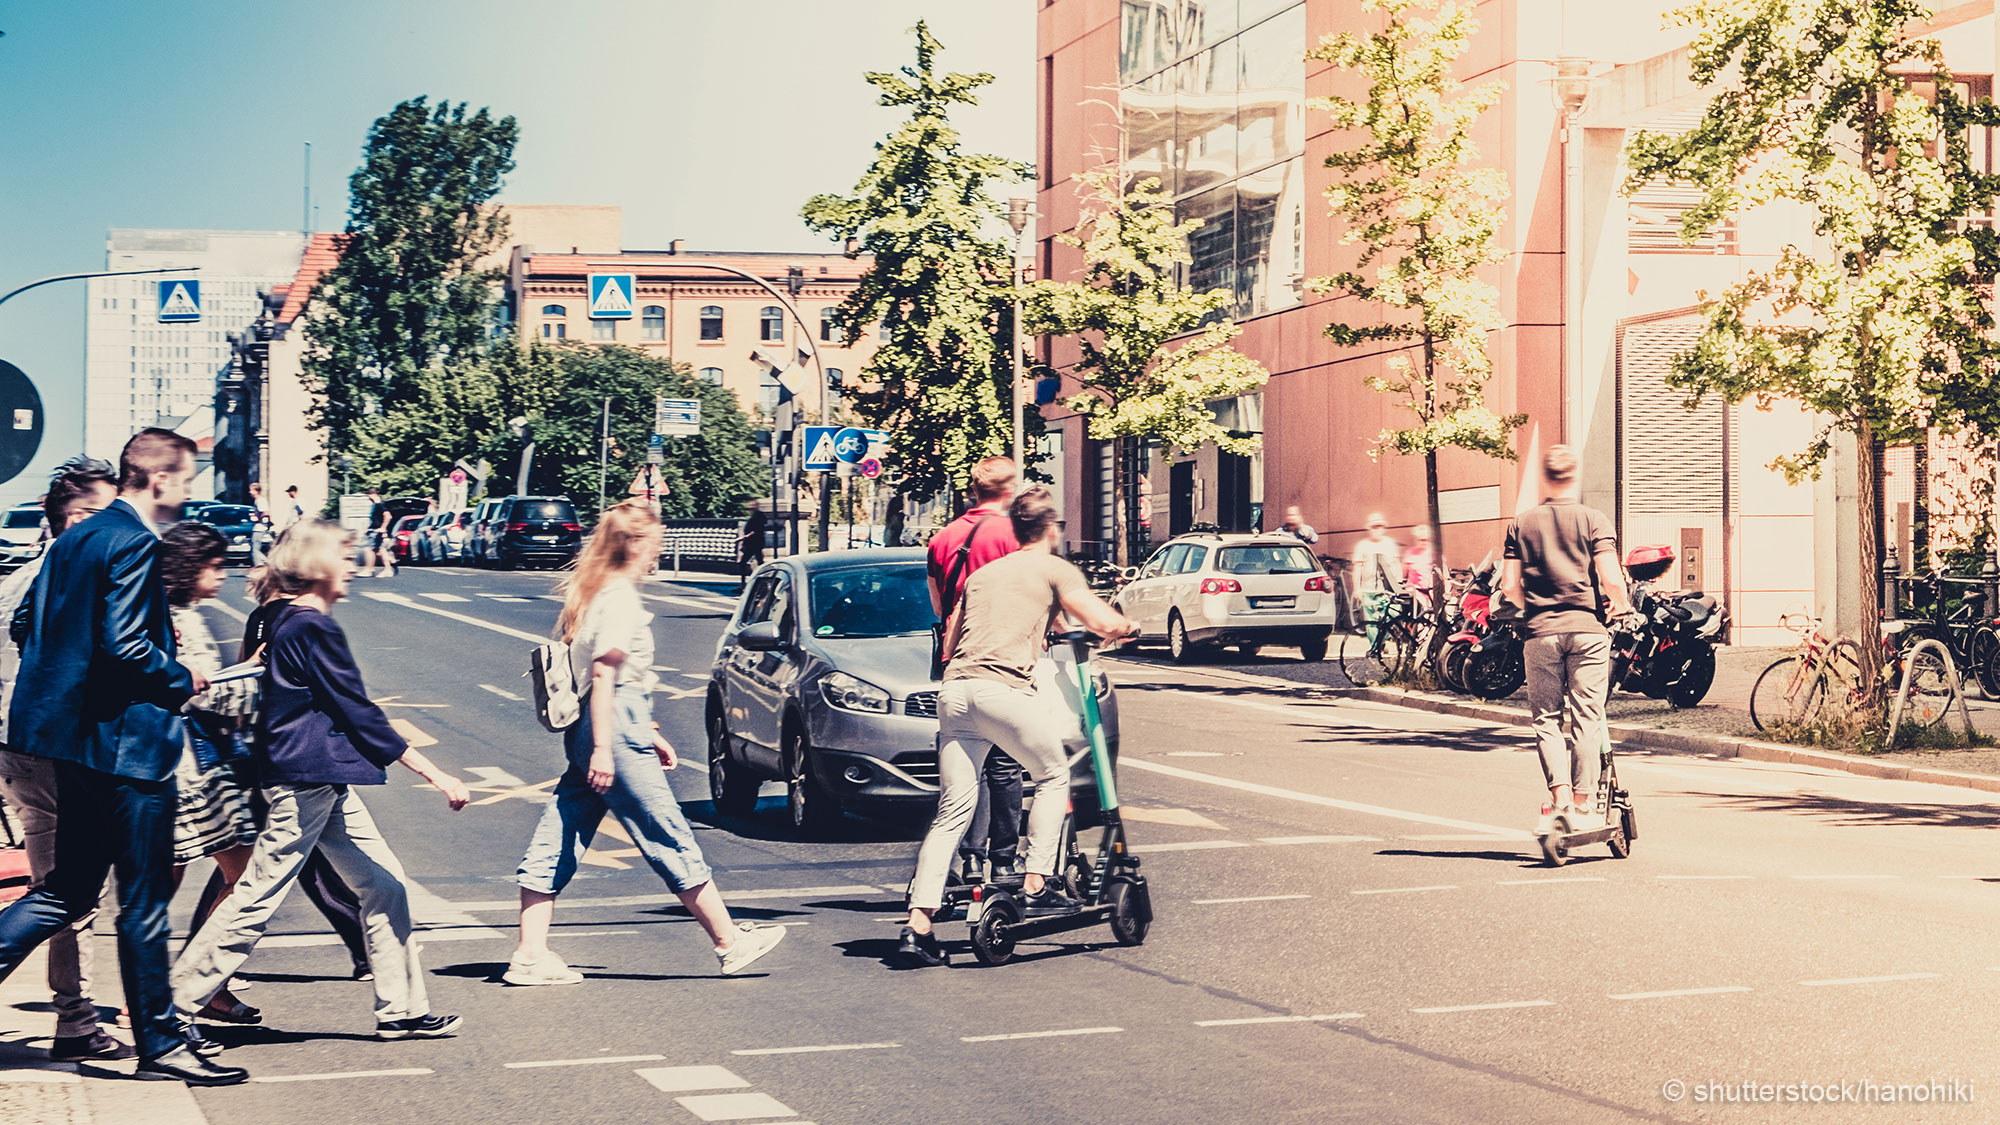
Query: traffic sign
(871, 468)
(677, 417)
(821, 456)
(20, 402)
(180, 301)
(656, 451)
(850, 445)
(611, 296)
(458, 476)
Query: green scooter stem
(1100, 756)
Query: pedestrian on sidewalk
(1562, 568)
(993, 839)
(82, 487)
(750, 545)
(380, 558)
(617, 758)
(323, 738)
(989, 700)
(260, 522)
(1295, 525)
(1377, 569)
(99, 693)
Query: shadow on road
(1521, 859)
(1844, 812)
(769, 823)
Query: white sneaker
(752, 941)
(1545, 824)
(1583, 820)
(543, 968)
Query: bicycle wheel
(1930, 688)
(1366, 666)
(1985, 660)
(1791, 690)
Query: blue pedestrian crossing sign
(180, 301)
(821, 449)
(611, 296)
(851, 445)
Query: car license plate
(1273, 603)
(543, 538)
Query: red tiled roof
(322, 251)
(686, 265)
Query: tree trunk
(1868, 519)
(1121, 516)
(1438, 569)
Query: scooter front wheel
(1129, 916)
(1621, 840)
(990, 943)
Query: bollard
(1989, 580)
(1889, 584)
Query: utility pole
(1018, 213)
(603, 453)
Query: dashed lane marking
(502, 693)
(1405, 890)
(1190, 846)
(681, 1079)
(464, 619)
(1664, 993)
(1695, 877)
(681, 693)
(404, 1073)
(444, 597)
(1286, 840)
(1871, 980)
(733, 894)
(582, 1062)
(1041, 1034)
(1329, 802)
(429, 934)
(815, 1050)
(507, 598)
(1546, 879)
(1277, 1019)
(1247, 898)
(735, 1107)
(1503, 1005)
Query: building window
(711, 322)
(603, 329)
(828, 324)
(710, 375)
(557, 330)
(834, 377)
(768, 389)
(772, 322)
(653, 322)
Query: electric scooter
(1109, 889)
(1613, 805)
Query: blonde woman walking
(616, 758)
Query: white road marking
(735, 1107)
(1277, 1019)
(1844, 876)
(680, 1079)
(1283, 840)
(681, 693)
(1248, 898)
(224, 607)
(444, 597)
(1185, 818)
(411, 1071)
(1692, 877)
(1190, 846)
(398, 599)
(503, 693)
(1679, 992)
(494, 776)
(1406, 890)
(428, 933)
(672, 599)
(583, 1062)
(1486, 1007)
(1546, 879)
(576, 900)
(1871, 980)
(507, 598)
(815, 1050)
(664, 668)
(1329, 802)
(1040, 1034)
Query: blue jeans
(639, 797)
(1376, 611)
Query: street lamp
(520, 428)
(346, 467)
(1019, 211)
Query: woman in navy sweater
(322, 736)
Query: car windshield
(221, 514)
(24, 517)
(1266, 560)
(871, 601)
(552, 510)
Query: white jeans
(974, 716)
(331, 818)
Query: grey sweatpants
(974, 716)
(1569, 672)
(29, 784)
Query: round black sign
(20, 421)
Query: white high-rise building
(141, 372)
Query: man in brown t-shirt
(1561, 558)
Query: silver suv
(1203, 590)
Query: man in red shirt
(994, 837)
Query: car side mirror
(1128, 573)
(760, 637)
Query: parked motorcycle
(1473, 607)
(1666, 649)
(1493, 667)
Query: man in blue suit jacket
(99, 693)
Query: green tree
(1425, 217)
(1127, 308)
(940, 382)
(408, 295)
(1879, 327)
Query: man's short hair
(291, 488)
(1559, 465)
(1032, 514)
(151, 450)
(994, 479)
(74, 478)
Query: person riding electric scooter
(994, 640)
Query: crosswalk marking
(507, 598)
(582, 1062)
(681, 1079)
(444, 597)
(494, 776)
(735, 1107)
(503, 693)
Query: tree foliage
(407, 300)
(1128, 306)
(940, 381)
(1426, 218)
(1878, 327)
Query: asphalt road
(1352, 925)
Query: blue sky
(706, 121)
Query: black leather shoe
(184, 1064)
(96, 1045)
(1048, 902)
(920, 950)
(194, 1040)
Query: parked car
(20, 536)
(1203, 590)
(475, 532)
(237, 523)
(420, 537)
(822, 681)
(533, 529)
(399, 536)
(443, 537)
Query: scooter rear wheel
(1555, 845)
(989, 944)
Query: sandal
(218, 1010)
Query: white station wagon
(1203, 590)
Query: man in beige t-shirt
(995, 638)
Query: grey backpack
(556, 702)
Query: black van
(533, 529)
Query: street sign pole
(604, 453)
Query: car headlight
(239, 540)
(850, 693)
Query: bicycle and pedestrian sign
(850, 445)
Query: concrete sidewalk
(35, 1091)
